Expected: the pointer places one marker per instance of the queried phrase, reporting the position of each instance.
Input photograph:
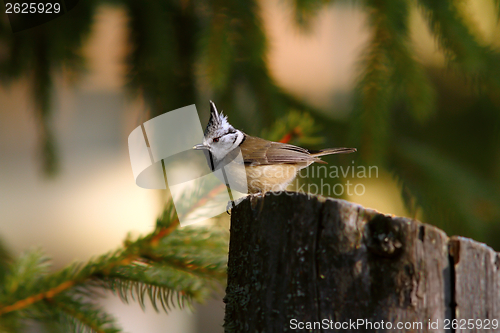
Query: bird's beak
(200, 146)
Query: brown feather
(257, 151)
(329, 151)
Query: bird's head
(220, 136)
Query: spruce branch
(38, 52)
(295, 127)
(374, 94)
(497, 4)
(82, 316)
(459, 44)
(166, 265)
(217, 46)
(472, 199)
(305, 10)
(390, 75)
(162, 38)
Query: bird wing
(257, 151)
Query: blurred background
(414, 86)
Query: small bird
(269, 166)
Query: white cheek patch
(233, 141)
(239, 139)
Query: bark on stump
(311, 259)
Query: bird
(268, 165)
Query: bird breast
(274, 177)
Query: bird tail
(329, 151)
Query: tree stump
(312, 264)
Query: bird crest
(217, 121)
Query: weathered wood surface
(319, 260)
(477, 283)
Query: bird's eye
(216, 140)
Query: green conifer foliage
(169, 267)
